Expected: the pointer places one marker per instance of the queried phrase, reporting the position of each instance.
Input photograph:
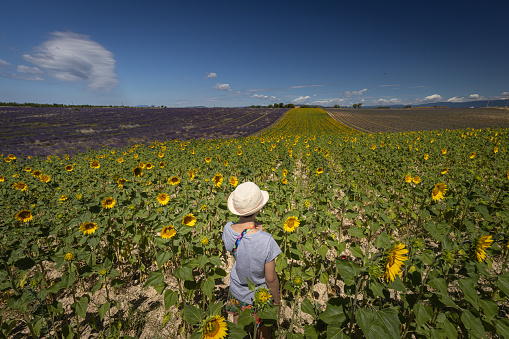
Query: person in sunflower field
(254, 250)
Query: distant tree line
(276, 105)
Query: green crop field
(401, 234)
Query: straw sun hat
(247, 199)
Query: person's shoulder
(227, 227)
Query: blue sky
(237, 53)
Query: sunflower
(416, 179)
(285, 172)
(36, 173)
(20, 186)
(142, 165)
(63, 198)
(28, 169)
(234, 181)
(69, 256)
(24, 216)
(495, 150)
(208, 159)
(69, 168)
(2, 179)
(120, 160)
(284, 181)
(444, 170)
(408, 178)
(472, 155)
(204, 241)
(444, 150)
(218, 179)
(95, 164)
(7, 159)
(189, 220)
(168, 232)
(214, 327)
(262, 297)
(88, 227)
(426, 156)
(191, 175)
(11, 156)
(109, 203)
(239, 152)
(394, 261)
(163, 198)
(160, 154)
(226, 163)
(174, 181)
(438, 192)
(138, 171)
(121, 182)
(297, 281)
(291, 224)
(319, 170)
(161, 164)
(149, 165)
(482, 244)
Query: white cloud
(293, 87)
(27, 69)
(21, 77)
(273, 98)
(211, 75)
(259, 96)
(348, 93)
(301, 100)
(471, 97)
(222, 87)
(430, 98)
(4, 64)
(69, 56)
(329, 102)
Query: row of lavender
(40, 131)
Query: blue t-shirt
(253, 252)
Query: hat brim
(265, 196)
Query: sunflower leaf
(192, 314)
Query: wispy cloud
(348, 93)
(69, 57)
(301, 100)
(27, 69)
(211, 75)
(4, 64)
(329, 102)
(222, 87)
(21, 77)
(259, 96)
(306, 86)
(471, 97)
(389, 85)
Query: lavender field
(41, 131)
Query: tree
(354, 105)
(359, 105)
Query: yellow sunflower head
(416, 179)
(426, 156)
(108, 203)
(120, 160)
(88, 227)
(174, 181)
(149, 165)
(284, 181)
(95, 164)
(394, 261)
(69, 256)
(495, 150)
(234, 181)
(208, 159)
(444, 150)
(36, 173)
(444, 170)
(24, 216)
(121, 182)
(45, 178)
(226, 163)
(138, 171)
(63, 198)
(189, 220)
(262, 297)
(214, 327)
(28, 169)
(408, 178)
(2, 179)
(160, 154)
(481, 245)
(205, 240)
(239, 152)
(161, 164)
(163, 198)
(69, 168)
(168, 232)
(291, 224)
(20, 186)
(438, 192)
(217, 180)
(472, 155)
(319, 170)
(191, 175)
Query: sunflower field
(383, 235)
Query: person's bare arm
(272, 281)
